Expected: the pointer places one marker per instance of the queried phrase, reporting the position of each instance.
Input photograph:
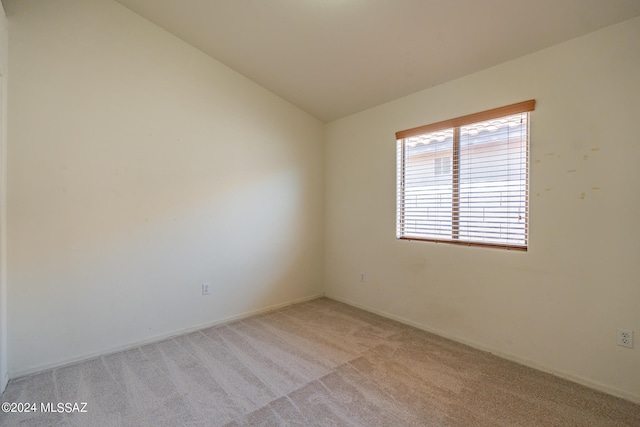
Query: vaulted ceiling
(333, 58)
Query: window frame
(455, 124)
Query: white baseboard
(514, 358)
(157, 338)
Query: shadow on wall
(134, 271)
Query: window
(443, 165)
(466, 180)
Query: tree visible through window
(466, 180)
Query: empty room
(319, 212)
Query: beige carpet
(318, 363)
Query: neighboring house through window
(466, 180)
(443, 165)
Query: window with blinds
(466, 180)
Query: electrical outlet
(625, 338)
(206, 288)
(362, 277)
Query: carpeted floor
(318, 363)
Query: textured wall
(140, 168)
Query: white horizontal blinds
(425, 208)
(465, 180)
(399, 189)
(493, 181)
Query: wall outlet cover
(625, 338)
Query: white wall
(4, 68)
(557, 306)
(140, 168)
